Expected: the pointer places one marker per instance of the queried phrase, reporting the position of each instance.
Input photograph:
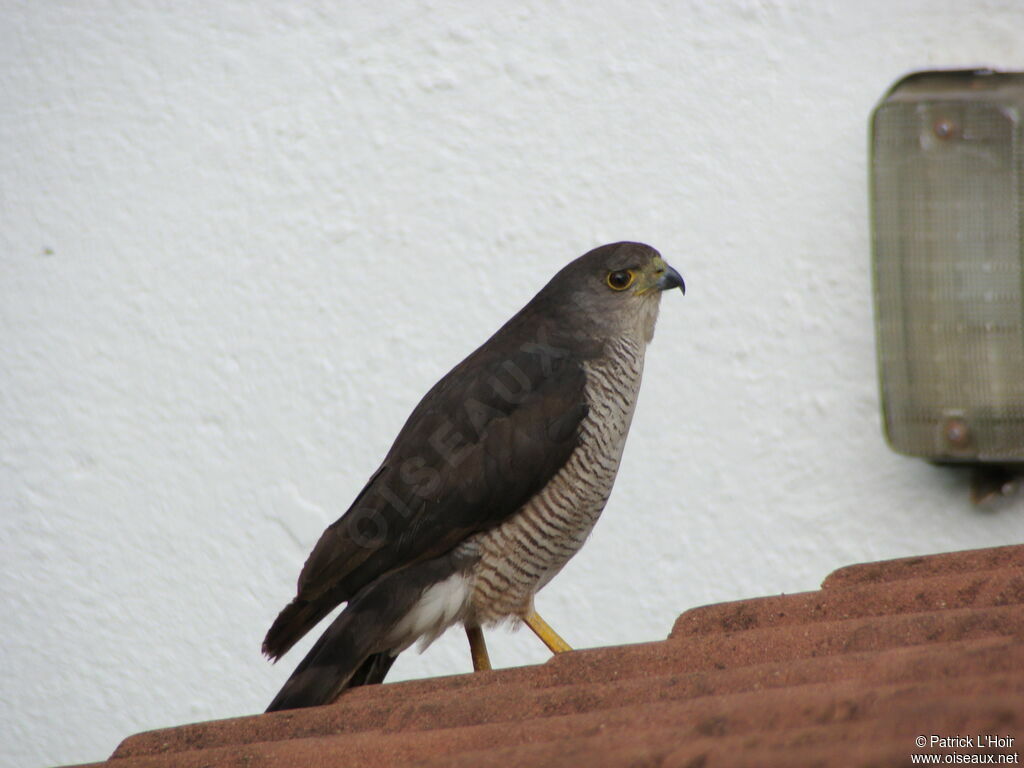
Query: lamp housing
(947, 214)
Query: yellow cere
(656, 270)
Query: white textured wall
(238, 243)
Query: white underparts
(440, 606)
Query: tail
(317, 681)
(363, 642)
(297, 618)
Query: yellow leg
(547, 635)
(478, 649)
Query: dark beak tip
(672, 279)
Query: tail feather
(373, 670)
(341, 658)
(361, 644)
(294, 621)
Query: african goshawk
(494, 482)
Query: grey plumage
(493, 483)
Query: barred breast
(524, 553)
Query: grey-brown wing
(480, 444)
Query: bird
(493, 483)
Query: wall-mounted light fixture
(947, 198)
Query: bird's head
(633, 268)
(616, 288)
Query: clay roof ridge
(990, 656)
(1009, 556)
(876, 741)
(750, 714)
(821, 677)
(924, 592)
(873, 633)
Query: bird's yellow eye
(620, 279)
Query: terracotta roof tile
(847, 675)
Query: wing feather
(478, 446)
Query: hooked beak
(670, 279)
